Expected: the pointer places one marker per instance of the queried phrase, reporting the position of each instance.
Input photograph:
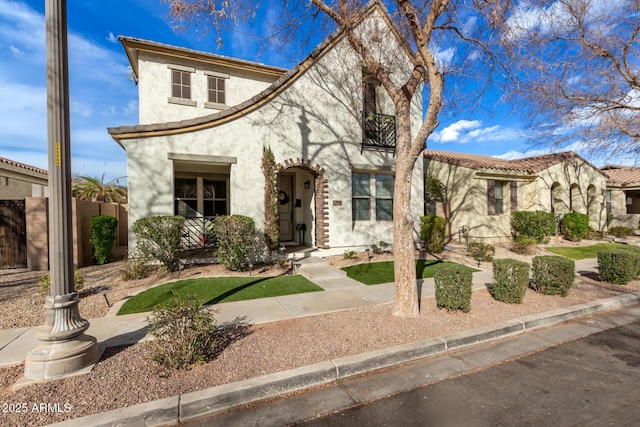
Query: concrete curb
(187, 406)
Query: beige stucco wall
(316, 120)
(467, 196)
(16, 183)
(154, 88)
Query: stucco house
(205, 120)
(18, 180)
(483, 191)
(623, 196)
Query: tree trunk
(406, 303)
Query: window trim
(372, 197)
(200, 199)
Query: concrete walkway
(340, 293)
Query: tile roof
(22, 165)
(530, 165)
(624, 175)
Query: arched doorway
(303, 196)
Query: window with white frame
(201, 196)
(372, 197)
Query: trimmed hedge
(510, 280)
(553, 275)
(534, 224)
(432, 229)
(453, 287)
(524, 245)
(576, 226)
(481, 251)
(103, 236)
(618, 266)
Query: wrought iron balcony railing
(379, 132)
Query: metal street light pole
(64, 348)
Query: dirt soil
(126, 376)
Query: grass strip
(375, 273)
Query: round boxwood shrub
(576, 226)
(535, 224)
(235, 234)
(553, 274)
(510, 280)
(453, 287)
(618, 266)
(432, 229)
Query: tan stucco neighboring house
(623, 196)
(483, 191)
(18, 180)
(205, 120)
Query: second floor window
(216, 90)
(180, 84)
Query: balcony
(379, 133)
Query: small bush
(135, 269)
(432, 229)
(183, 332)
(453, 287)
(235, 235)
(533, 224)
(620, 231)
(481, 251)
(349, 254)
(553, 275)
(510, 280)
(44, 283)
(594, 234)
(524, 245)
(158, 238)
(376, 249)
(103, 236)
(576, 226)
(618, 266)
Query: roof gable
(624, 175)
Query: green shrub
(103, 236)
(183, 332)
(510, 280)
(524, 245)
(235, 234)
(576, 226)
(432, 229)
(453, 287)
(533, 224)
(44, 283)
(594, 234)
(618, 266)
(158, 238)
(349, 254)
(135, 269)
(620, 231)
(481, 251)
(553, 275)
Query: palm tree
(86, 187)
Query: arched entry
(306, 205)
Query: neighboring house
(483, 191)
(205, 119)
(18, 181)
(623, 196)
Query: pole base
(57, 359)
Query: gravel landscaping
(125, 376)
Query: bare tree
(432, 32)
(577, 66)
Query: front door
(285, 207)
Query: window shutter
(513, 195)
(491, 197)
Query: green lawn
(213, 290)
(375, 273)
(583, 252)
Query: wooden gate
(13, 234)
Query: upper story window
(216, 90)
(180, 84)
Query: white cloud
(16, 52)
(452, 132)
(112, 38)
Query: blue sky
(101, 95)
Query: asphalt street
(592, 381)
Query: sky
(101, 94)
